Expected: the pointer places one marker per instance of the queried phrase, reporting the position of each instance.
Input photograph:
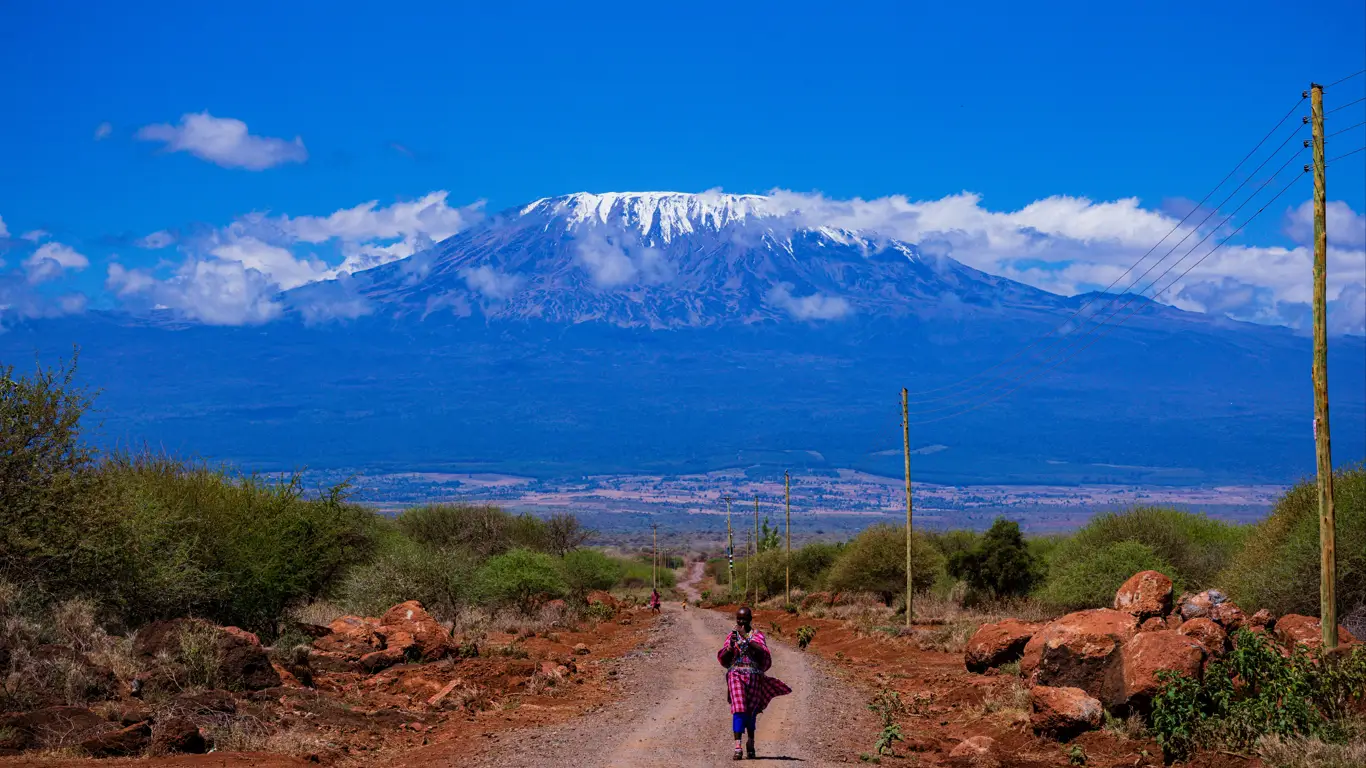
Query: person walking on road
(749, 689)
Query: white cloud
(102, 131)
(51, 259)
(817, 306)
(212, 291)
(1346, 228)
(159, 239)
(615, 259)
(36, 235)
(278, 264)
(428, 215)
(3, 231)
(225, 141)
(494, 285)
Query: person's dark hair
(744, 617)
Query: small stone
(581, 649)
(1063, 713)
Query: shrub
(586, 570)
(718, 569)
(636, 574)
(1193, 547)
(1256, 692)
(875, 561)
(1278, 569)
(998, 564)
(805, 634)
(1090, 579)
(520, 578)
(564, 534)
(441, 579)
(484, 530)
(812, 563)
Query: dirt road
(674, 712)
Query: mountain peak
(661, 215)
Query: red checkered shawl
(748, 689)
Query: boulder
(975, 752)
(249, 638)
(428, 637)
(242, 662)
(379, 660)
(244, 666)
(178, 734)
(1230, 616)
(49, 727)
(1062, 713)
(129, 713)
(1146, 593)
(599, 597)
(1208, 633)
(995, 644)
(1199, 605)
(1032, 655)
(120, 743)
(1261, 620)
(206, 703)
(1152, 624)
(1082, 650)
(352, 637)
(1149, 653)
(1294, 629)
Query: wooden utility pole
(756, 544)
(730, 550)
(749, 564)
(787, 504)
(654, 569)
(906, 439)
(1328, 606)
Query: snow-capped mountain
(668, 260)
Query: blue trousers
(742, 722)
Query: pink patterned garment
(748, 689)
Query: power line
(1094, 297)
(1126, 319)
(1344, 130)
(1082, 335)
(1349, 154)
(1132, 314)
(1344, 79)
(1072, 339)
(1344, 106)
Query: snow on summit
(665, 215)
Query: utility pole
(906, 439)
(730, 549)
(1328, 606)
(654, 569)
(749, 564)
(756, 544)
(787, 503)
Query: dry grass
(319, 612)
(89, 671)
(1311, 753)
(1128, 728)
(249, 734)
(1011, 699)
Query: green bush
(441, 579)
(637, 575)
(586, 570)
(997, 565)
(520, 578)
(482, 529)
(1090, 579)
(718, 569)
(812, 563)
(875, 561)
(1190, 548)
(1278, 569)
(1255, 692)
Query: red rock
(975, 752)
(1152, 624)
(378, 660)
(1146, 593)
(244, 666)
(1230, 617)
(243, 635)
(49, 727)
(1173, 621)
(432, 641)
(1082, 650)
(178, 734)
(1199, 605)
(352, 637)
(1209, 634)
(120, 743)
(1032, 655)
(206, 703)
(1294, 629)
(332, 661)
(1262, 619)
(445, 691)
(1147, 654)
(581, 649)
(1062, 713)
(995, 644)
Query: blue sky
(505, 103)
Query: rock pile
(1110, 658)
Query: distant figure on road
(654, 600)
(748, 689)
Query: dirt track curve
(674, 709)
